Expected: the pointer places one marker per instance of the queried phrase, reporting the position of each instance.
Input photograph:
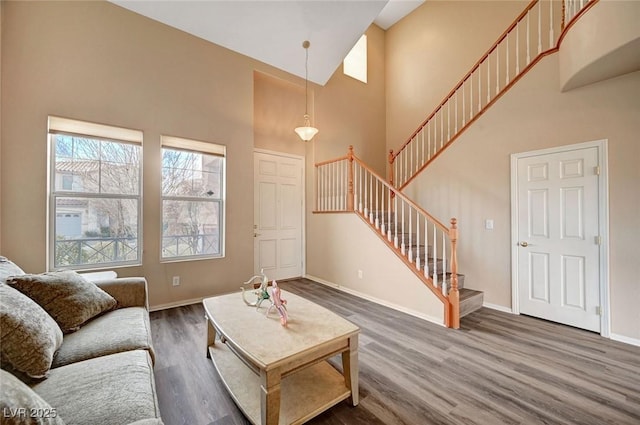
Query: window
(193, 188)
(94, 202)
(355, 64)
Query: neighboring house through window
(193, 194)
(95, 195)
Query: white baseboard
(175, 304)
(625, 339)
(393, 306)
(498, 307)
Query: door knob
(255, 235)
(524, 244)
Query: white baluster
(417, 152)
(471, 97)
(528, 53)
(464, 111)
(479, 88)
(539, 27)
(435, 250)
(360, 193)
(371, 198)
(551, 35)
(448, 119)
(389, 216)
(488, 78)
(497, 69)
(506, 79)
(377, 220)
(410, 253)
(455, 110)
(366, 196)
(423, 156)
(429, 140)
(406, 159)
(518, 48)
(444, 265)
(402, 245)
(426, 248)
(382, 226)
(418, 240)
(395, 221)
(441, 128)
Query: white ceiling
(272, 31)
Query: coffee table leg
(350, 366)
(269, 397)
(211, 336)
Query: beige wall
(535, 115)
(429, 51)
(97, 62)
(278, 108)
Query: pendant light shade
(306, 132)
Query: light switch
(488, 224)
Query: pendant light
(306, 132)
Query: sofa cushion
(8, 268)
(67, 296)
(109, 390)
(118, 330)
(20, 405)
(29, 336)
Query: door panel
(558, 255)
(278, 216)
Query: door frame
(303, 254)
(603, 225)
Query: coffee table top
(263, 339)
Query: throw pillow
(21, 405)
(67, 296)
(30, 337)
(8, 268)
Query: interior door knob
(524, 244)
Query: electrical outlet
(176, 281)
(488, 224)
(359, 274)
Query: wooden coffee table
(279, 375)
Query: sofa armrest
(128, 291)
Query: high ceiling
(272, 31)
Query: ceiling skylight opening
(355, 64)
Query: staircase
(424, 244)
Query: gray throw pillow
(67, 296)
(8, 268)
(20, 405)
(30, 337)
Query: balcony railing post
(350, 177)
(454, 294)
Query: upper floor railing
(427, 246)
(532, 35)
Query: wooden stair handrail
(564, 29)
(451, 301)
(468, 74)
(402, 196)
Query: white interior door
(278, 212)
(558, 252)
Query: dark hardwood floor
(497, 369)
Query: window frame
(202, 148)
(102, 133)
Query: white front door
(558, 241)
(278, 212)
